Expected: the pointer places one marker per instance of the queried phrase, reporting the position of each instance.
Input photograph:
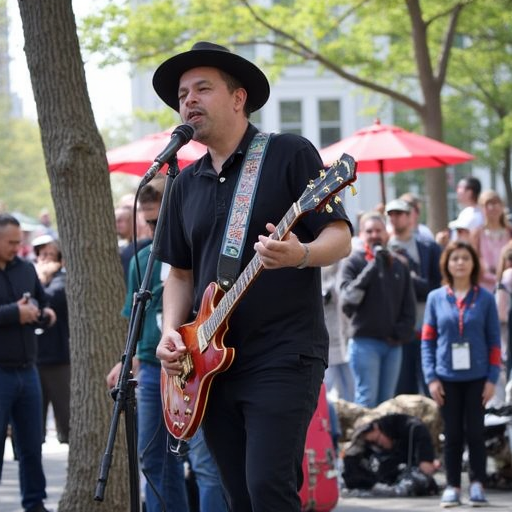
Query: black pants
(255, 426)
(463, 415)
(55, 385)
(410, 379)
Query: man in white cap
(259, 409)
(468, 190)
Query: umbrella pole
(382, 183)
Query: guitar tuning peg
(337, 199)
(353, 190)
(328, 208)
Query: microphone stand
(124, 392)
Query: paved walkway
(55, 464)
(498, 500)
(55, 456)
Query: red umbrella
(136, 157)
(385, 148)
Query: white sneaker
(450, 497)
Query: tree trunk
(507, 152)
(77, 167)
(435, 179)
(431, 82)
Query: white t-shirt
(471, 216)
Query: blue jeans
(339, 377)
(160, 467)
(211, 497)
(375, 366)
(21, 405)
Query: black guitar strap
(230, 258)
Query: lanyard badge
(461, 356)
(461, 353)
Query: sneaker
(476, 495)
(450, 498)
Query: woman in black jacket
(53, 361)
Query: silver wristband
(305, 260)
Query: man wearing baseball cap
(422, 258)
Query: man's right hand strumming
(171, 352)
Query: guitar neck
(245, 279)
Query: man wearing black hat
(258, 409)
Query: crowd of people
(390, 309)
(429, 314)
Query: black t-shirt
(18, 342)
(282, 311)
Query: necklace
(495, 234)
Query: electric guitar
(184, 396)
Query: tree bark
(436, 186)
(77, 168)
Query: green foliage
(25, 185)
(139, 36)
(368, 42)
(482, 66)
(117, 132)
(163, 118)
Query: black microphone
(180, 136)
(381, 258)
(377, 250)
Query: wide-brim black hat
(167, 76)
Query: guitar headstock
(341, 174)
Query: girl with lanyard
(461, 363)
